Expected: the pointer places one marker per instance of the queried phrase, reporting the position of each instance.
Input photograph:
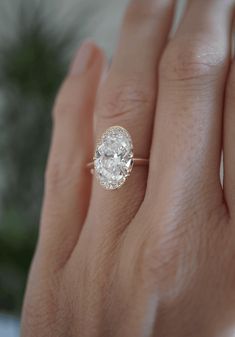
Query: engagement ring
(114, 159)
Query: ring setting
(114, 159)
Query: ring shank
(136, 161)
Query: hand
(156, 257)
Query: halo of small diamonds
(113, 159)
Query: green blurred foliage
(32, 65)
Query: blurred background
(37, 42)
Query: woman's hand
(156, 257)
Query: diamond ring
(114, 159)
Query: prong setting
(113, 159)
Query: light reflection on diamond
(113, 159)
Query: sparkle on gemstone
(113, 160)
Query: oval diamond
(113, 160)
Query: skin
(156, 257)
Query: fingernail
(84, 58)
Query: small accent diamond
(113, 160)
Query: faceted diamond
(113, 160)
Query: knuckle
(163, 260)
(186, 60)
(169, 255)
(126, 101)
(166, 256)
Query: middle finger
(186, 148)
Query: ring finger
(127, 98)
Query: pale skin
(156, 257)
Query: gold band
(136, 162)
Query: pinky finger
(68, 182)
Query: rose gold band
(137, 162)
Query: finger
(128, 99)
(186, 147)
(228, 142)
(67, 188)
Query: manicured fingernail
(84, 58)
